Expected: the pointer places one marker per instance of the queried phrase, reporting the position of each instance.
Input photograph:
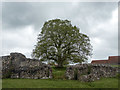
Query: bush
(118, 76)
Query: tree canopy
(62, 42)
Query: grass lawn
(59, 81)
(59, 73)
(115, 65)
(0, 84)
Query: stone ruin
(90, 72)
(0, 68)
(16, 65)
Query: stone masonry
(90, 72)
(16, 65)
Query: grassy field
(0, 83)
(115, 65)
(58, 73)
(59, 81)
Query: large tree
(62, 42)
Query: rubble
(90, 72)
(16, 65)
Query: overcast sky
(22, 22)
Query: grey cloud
(16, 15)
(86, 16)
(33, 13)
(89, 15)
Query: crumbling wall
(16, 65)
(0, 67)
(90, 72)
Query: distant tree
(62, 42)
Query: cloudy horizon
(22, 22)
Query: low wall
(90, 72)
(16, 65)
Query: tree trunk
(60, 64)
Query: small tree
(62, 42)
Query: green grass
(59, 81)
(0, 83)
(115, 65)
(59, 73)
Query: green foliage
(7, 75)
(75, 74)
(8, 72)
(62, 42)
(118, 76)
(89, 70)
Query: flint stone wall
(0, 67)
(90, 72)
(16, 65)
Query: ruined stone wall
(90, 72)
(16, 65)
(0, 67)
